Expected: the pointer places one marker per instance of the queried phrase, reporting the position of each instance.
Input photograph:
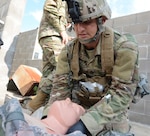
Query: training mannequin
(62, 115)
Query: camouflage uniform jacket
(54, 18)
(121, 87)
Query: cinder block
(25, 77)
(136, 29)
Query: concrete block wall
(26, 42)
(139, 26)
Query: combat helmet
(84, 10)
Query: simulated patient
(61, 116)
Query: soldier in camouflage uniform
(82, 63)
(52, 37)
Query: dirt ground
(140, 129)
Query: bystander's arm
(51, 8)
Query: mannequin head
(62, 115)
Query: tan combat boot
(39, 100)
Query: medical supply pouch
(89, 93)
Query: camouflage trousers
(51, 47)
(120, 124)
(108, 114)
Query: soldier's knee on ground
(40, 100)
(123, 127)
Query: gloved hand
(80, 127)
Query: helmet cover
(84, 10)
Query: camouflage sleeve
(61, 89)
(121, 90)
(55, 13)
(125, 71)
